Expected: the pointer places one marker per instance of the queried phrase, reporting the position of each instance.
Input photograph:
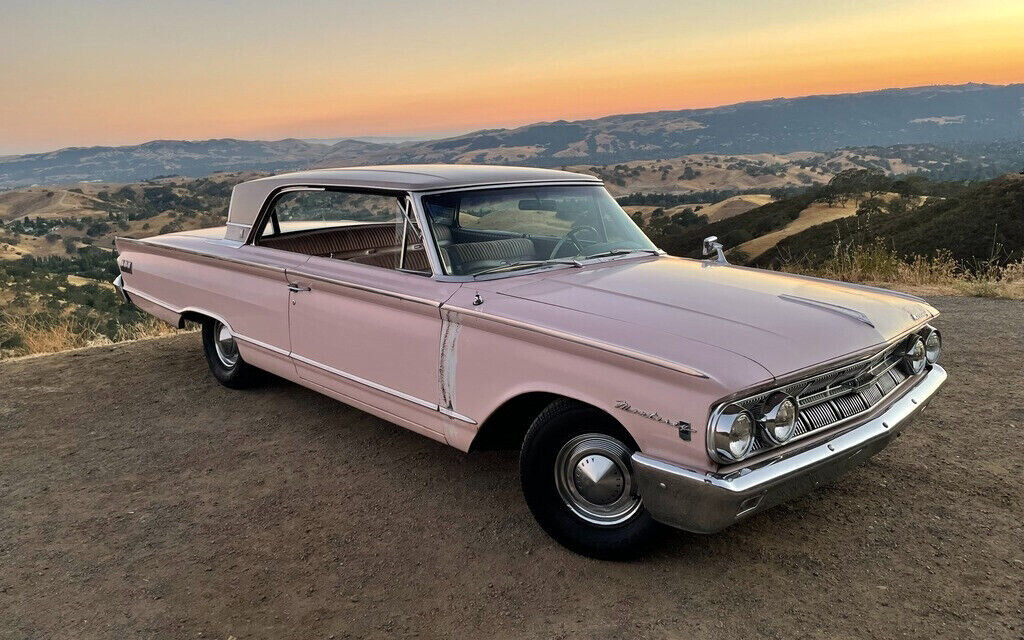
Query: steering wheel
(571, 237)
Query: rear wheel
(222, 355)
(578, 481)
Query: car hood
(783, 322)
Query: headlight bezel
(770, 410)
(932, 354)
(722, 426)
(914, 358)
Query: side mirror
(713, 246)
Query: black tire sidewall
(239, 376)
(556, 425)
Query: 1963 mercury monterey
(498, 306)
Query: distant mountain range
(974, 113)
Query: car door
(367, 332)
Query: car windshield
(500, 230)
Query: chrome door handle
(295, 288)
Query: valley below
(910, 188)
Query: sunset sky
(121, 72)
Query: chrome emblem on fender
(683, 426)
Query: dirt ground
(138, 498)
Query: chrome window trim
(596, 182)
(433, 255)
(403, 197)
(429, 242)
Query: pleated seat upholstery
(380, 245)
(338, 242)
(472, 256)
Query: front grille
(831, 397)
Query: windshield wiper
(622, 252)
(526, 264)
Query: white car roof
(248, 197)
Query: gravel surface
(138, 498)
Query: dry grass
(28, 335)
(941, 274)
(817, 213)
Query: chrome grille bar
(831, 397)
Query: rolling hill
(971, 112)
(169, 157)
(984, 223)
(950, 126)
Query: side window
(364, 228)
(315, 209)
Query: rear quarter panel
(245, 287)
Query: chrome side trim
(708, 502)
(455, 414)
(260, 343)
(595, 344)
(365, 382)
(154, 300)
(382, 388)
(183, 310)
(362, 287)
(208, 256)
(313, 363)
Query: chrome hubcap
(594, 479)
(224, 345)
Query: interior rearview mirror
(538, 205)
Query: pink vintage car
(512, 307)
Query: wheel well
(506, 427)
(192, 316)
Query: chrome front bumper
(706, 502)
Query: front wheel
(223, 357)
(578, 481)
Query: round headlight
(733, 433)
(932, 346)
(778, 418)
(914, 358)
